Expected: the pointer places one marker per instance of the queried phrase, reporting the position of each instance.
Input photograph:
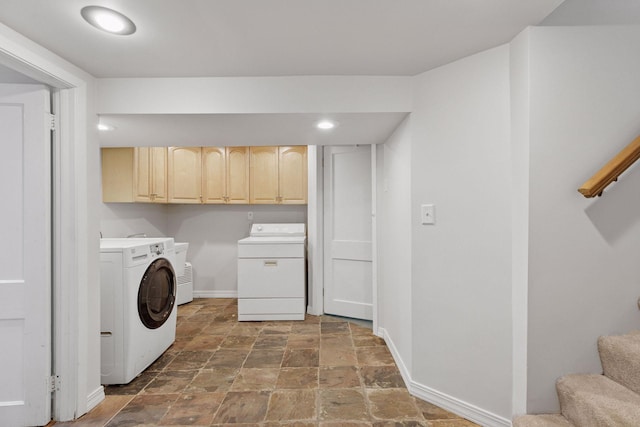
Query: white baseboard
(402, 367)
(458, 407)
(215, 294)
(95, 397)
(450, 403)
(312, 311)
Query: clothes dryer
(272, 273)
(138, 309)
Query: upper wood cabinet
(264, 175)
(292, 174)
(117, 174)
(209, 175)
(225, 175)
(213, 175)
(278, 175)
(150, 174)
(185, 175)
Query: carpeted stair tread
(546, 420)
(597, 401)
(620, 357)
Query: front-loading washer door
(157, 294)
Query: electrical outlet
(250, 216)
(428, 214)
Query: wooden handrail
(612, 170)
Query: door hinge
(51, 119)
(54, 383)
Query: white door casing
(348, 274)
(25, 255)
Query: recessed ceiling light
(325, 125)
(108, 20)
(103, 127)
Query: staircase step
(546, 420)
(597, 401)
(620, 361)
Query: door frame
(69, 216)
(315, 232)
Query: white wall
(125, 219)
(394, 243)
(213, 233)
(228, 95)
(461, 266)
(583, 253)
(520, 131)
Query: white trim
(25, 56)
(95, 397)
(451, 404)
(406, 375)
(457, 406)
(374, 235)
(315, 230)
(215, 294)
(65, 310)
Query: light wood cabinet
(150, 174)
(214, 175)
(210, 175)
(185, 175)
(264, 175)
(292, 174)
(117, 174)
(278, 175)
(225, 173)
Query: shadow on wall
(618, 210)
(124, 219)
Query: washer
(138, 310)
(272, 273)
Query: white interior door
(25, 256)
(348, 286)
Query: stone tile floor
(322, 371)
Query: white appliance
(137, 307)
(184, 273)
(185, 285)
(272, 273)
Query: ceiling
(187, 38)
(215, 38)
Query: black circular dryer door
(157, 294)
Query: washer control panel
(157, 248)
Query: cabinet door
(237, 166)
(292, 170)
(142, 174)
(263, 175)
(158, 179)
(117, 174)
(185, 175)
(213, 175)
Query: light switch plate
(428, 214)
